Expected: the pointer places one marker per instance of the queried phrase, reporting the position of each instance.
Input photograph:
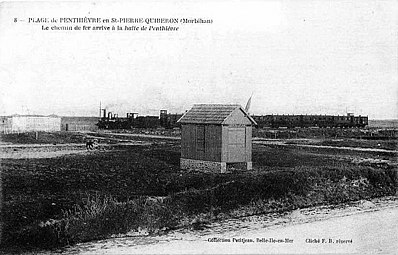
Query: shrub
(98, 217)
(301, 187)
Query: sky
(293, 57)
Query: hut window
(200, 138)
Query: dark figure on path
(89, 145)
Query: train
(168, 121)
(303, 121)
(132, 120)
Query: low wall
(201, 165)
(212, 166)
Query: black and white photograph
(199, 127)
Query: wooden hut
(214, 135)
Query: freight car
(322, 121)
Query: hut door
(200, 141)
(236, 144)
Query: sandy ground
(20, 151)
(361, 227)
(140, 135)
(283, 143)
(259, 141)
(40, 150)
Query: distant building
(28, 123)
(214, 135)
(79, 123)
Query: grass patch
(74, 199)
(97, 217)
(301, 187)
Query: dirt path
(362, 227)
(19, 151)
(283, 143)
(140, 135)
(66, 148)
(261, 141)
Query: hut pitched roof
(211, 114)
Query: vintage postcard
(198, 127)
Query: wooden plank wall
(249, 143)
(188, 141)
(213, 143)
(224, 145)
(212, 150)
(225, 142)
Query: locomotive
(132, 120)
